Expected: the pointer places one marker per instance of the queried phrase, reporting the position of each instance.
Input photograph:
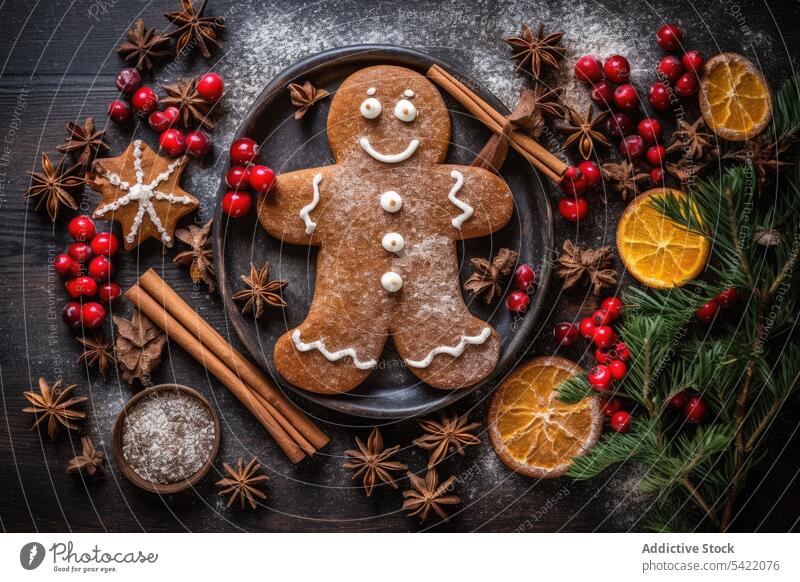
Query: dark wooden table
(59, 64)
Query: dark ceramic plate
(390, 391)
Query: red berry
(517, 301)
(591, 171)
(173, 114)
(602, 355)
(524, 277)
(100, 268)
(144, 101)
(656, 176)
(198, 144)
(261, 179)
(573, 183)
(573, 209)
(159, 121)
(236, 204)
(610, 405)
(687, 85)
(632, 146)
(670, 68)
(238, 177)
(128, 80)
(618, 369)
(65, 266)
(604, 336)
(693, 62)
(619, 124)
(566, 333)
(211, 87)
(244, 151)
(80, 251)
(587, 327)
(588, 69)
(72, 314)
(656, 155)
(626, 97)
(621, 421)
(622, 351)
(600, 377)
(707, 312)
(613, 307)
(108, 292)
(81, 287)
(119, 111)
(695, 410)
(602, 93)
(81, 228)
(679, 400)
(601, 317)
(106, 244)
(659, 97)
(172, 142)
(669, 37)
(617, 69)
(650, 129)
(93, 315)
(728, 297)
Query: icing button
(393, 242)
(391, 201)
(391, 281)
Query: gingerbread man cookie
(386, 217)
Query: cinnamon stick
(292, 420)
(159, 316)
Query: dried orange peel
(655, 250)
(735, 99)
(533, 432)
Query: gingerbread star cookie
(141, 190)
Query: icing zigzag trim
(331, 356)
(454, 351)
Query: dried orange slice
(735, 99)
(655, 250)
(533, 432)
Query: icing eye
(405, 111)
(371, 108)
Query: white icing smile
(389, 158)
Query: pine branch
(786, 117)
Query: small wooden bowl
(127, 470)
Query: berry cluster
(144, 101)
(694, 408)
(680, 75)
(87, 268)
(577, 180)
(244, 173)
(524, 281)
(724, 300)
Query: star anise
(194, 109)
(54, 404)
(687, 169)
(596, 265)
(428, 495)
(260, 291)
(690, 139)
(449, 433)
(537, 52)
(52, 186)
(90, 459)
(144, 47)
(485, 281)
(199, 256)
(372, 461)
(533, 104)
(97, 351)
(138, 346)
(582, 131)
(304, 96)
(624, 178)
(194, 26)
(83, 142)
(767, 156)
(242, 484)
